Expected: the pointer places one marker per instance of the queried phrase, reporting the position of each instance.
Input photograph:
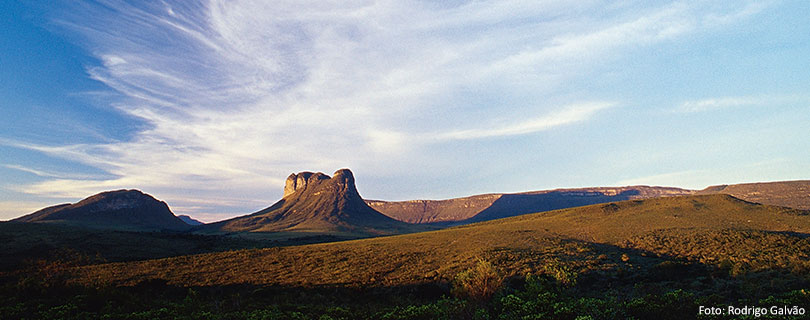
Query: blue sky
(209, 106)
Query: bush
(565, 275)
(478, 283)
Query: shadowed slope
(189, 220)
(120, 209)
(595, 237)
(314, 202)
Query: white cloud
(717, 103)
(238, 94)
(568, 115)
(48, 174)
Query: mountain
(500, 205)
(120, 209)
(793, 194)
(189, 220)
(316, 203)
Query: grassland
(654, 258)
(588, 238)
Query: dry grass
(578, 240)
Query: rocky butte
(317, 203)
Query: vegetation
(658, 258)
(25, 244)
(478, 283)
(529, 297)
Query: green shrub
(478, 283)
(564, 274)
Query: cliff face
(299, 181)
(120, 209)
(432, 211)
(495, 206)
(315, 202)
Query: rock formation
(500, 205)
(315, 202)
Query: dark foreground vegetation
(670, 290)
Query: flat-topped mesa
(315, 202)
(296, 182)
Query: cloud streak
(568, 115)
(237, 94)
(717, 103)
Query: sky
(210, 105)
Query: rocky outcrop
(299, 181)
(120, 209)
(317, 203)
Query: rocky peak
(300, 181)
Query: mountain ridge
(501, 205)
(483, 207)
(125, 209)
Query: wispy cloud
(568, 115)
(49, 174)
(717, 103)
(720, 103)
(238, 94)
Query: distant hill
(120, 210)
(500, 205)
(319, 204)
(189, 220)
(627, 238)
(794, 194)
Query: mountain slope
(316, 203)
(120, 209)
(500, 205)
(620, 237)
(794, 194)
